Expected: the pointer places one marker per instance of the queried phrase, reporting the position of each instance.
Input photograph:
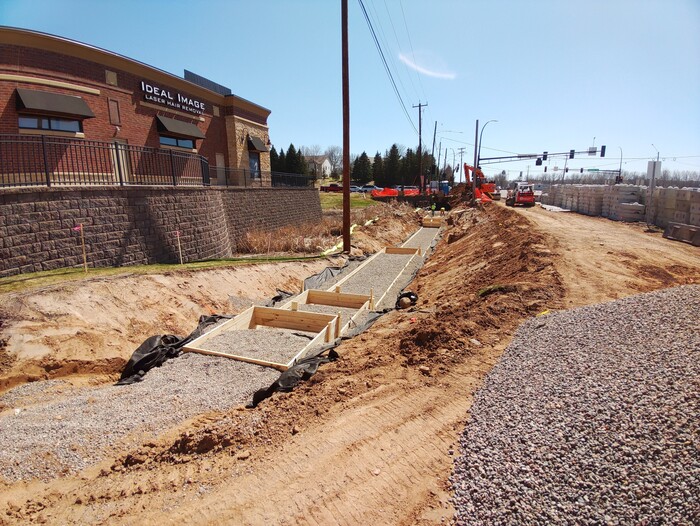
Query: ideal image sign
(171, 98)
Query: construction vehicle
(480, 183)
(521, 193)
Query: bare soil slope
(371, 437)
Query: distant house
(319, 165)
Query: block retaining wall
(626, 202)
(129, 225)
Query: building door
(220, 170)
(120, 160)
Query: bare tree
(335, 157)
(311, 151)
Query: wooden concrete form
(332, 299)
(432, 222)
(402, 250)
(324, 325)
(359, 302)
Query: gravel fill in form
(422, 239)
(592, 416)
(264, 343)
(377, 275)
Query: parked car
(333, 187)
(354, 188)
(370, 187)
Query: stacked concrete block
(622, 194)
(664, 207)
(626, 202)
(591, 200)
(629, 212)
(694, 207)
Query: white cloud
(436, 74)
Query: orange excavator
(481, 186)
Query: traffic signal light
(544, 156)
(566, 170)
(545, 169)
(538, 162)
(571, 154)
(602, 151)
(581, 170)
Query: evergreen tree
(282, 162)
(409, 168)
(362, 169)
(274, 160)
(291, 163)
(392, 167)
(302, 164)
(378, 170)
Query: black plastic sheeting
(317, 280)
(156, 350)
(279, 298)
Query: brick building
(52, 86)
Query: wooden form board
(324, 325)
(432, 222)
(337, 299)
(279, 366)
(402, 250)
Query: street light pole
(651, 187)
(478, 156)
(620, 163)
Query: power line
(386, 66)
(384, 41)
(410, 43)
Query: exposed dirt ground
(370, 439)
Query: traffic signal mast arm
(543, 156)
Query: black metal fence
(252, 178)
(42, 160)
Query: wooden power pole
(421, 181)
(346, 129)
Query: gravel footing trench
(591, 417)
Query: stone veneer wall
(137, 225)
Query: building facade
(59, 88)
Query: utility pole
(461, 167)
(420, 145)
(346, 127)
(476, 142)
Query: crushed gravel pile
(591, 417)
(73, 432)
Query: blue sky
(557, 75)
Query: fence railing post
(117, 154)
(172, 167)
(205, 172)
(46, 160)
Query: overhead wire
(384, 41)
(398, 44)
(386, 65)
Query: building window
(254, 164)
(175, 141)
(28, 122)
